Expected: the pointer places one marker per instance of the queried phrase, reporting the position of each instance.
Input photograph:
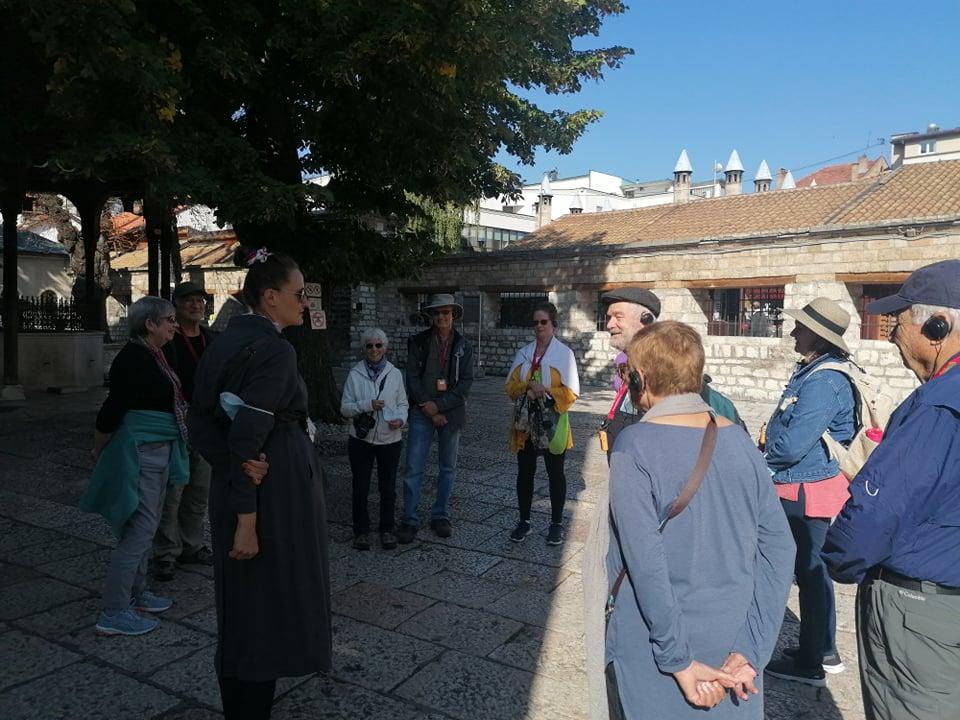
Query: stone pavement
(470, 627)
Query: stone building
(726, 265)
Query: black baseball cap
(187, 288)
(640, 296)
(937, 285)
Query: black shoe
(388, 541)
(832, 663)
(406, 534)
(361, 542)
(789, 670)
(441, 528)
(203, 556)
(555, 534)
(520, 531)
(164, 570)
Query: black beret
(640, 296)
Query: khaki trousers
(184, 508)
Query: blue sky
(792, 83)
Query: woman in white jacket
(375, 400)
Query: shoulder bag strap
(707, 447)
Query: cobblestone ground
(470, 627)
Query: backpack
(872, 410)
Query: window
(875, 327)
(471, 308)
(746, 312)
(930, 146)
(516, 308)
(482, 238)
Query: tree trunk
(10, 207)
(153, 220)
(90, 206)
(168, 237)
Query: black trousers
(527, 468)
(362, 457)
(243, 700)
(614, 704)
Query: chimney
(681, 179)
(781, 174)
(576, 205)
(545, 206)
(788, 183)
(733, 173)
(761, 181)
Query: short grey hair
(147, 308)
(373, 334)
(921, 313)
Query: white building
(931, 146)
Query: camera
(363, 424)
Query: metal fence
(49, 314)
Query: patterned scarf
(180, 405)
(374, 370)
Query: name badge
(441, 384)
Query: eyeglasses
(172, 319)
(541, 322)
(301, 293)
(371, 346)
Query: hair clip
(259, 256)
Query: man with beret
(179, 536)
(898, 536)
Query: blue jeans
(818, 618)
(420, 436)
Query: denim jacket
(812, 403)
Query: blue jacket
(812, 403)
(904, 509)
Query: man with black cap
(898, 536)
(180, 533)
(630, 309)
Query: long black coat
(273, 611)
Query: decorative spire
(683, 163)
(733, 163)
(545, 185)
(763, 172)
(788, 183)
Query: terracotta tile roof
(912, 192)
(125, 222)
(198, 250)
(844, 172)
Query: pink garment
(617, 380)
(824, 498)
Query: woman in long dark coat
(269, 540)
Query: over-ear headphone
(936, 328)
(636, 385)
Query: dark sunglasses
(541, 322)
(370, 346)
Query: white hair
(921, 313)
(147, 308)
(373, 334)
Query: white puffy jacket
(358, 393)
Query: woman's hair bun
(240, 256)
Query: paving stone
(88, 691)
(37, 511)
(190, 592)
(471, 631)
(63, 546)
(533, 549)
(88, 570)
(392, 569)
(205, 621)
(507, 518)
(444, 557)
(324, 698)
(92, 528)
(375, 658)
(467, 535)
(36, 595)
(459, 589)
(24, 657)
(468, 688)
(141, 654)
(539, 608)
(13, 574)
(194, 714)
(471, 510)
(379, 605)
(64, 619)
(521, 574)
(543, 651)
(14, 536)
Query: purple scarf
(374, 370)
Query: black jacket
(459, 372)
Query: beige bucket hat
(825, 318)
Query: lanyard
(537, 359)
(952, 362)
(618, 401)
(189, 344)
(442, 352)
